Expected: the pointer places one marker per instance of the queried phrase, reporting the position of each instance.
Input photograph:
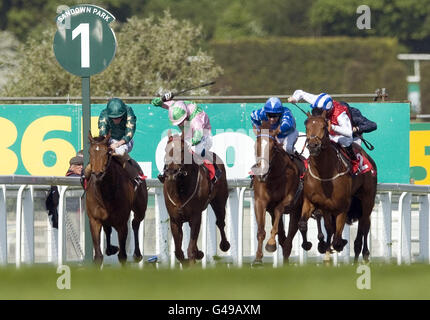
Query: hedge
(277, 66)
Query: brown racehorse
(110, 197)
(330, 189)
(187, 192)
(276, 190)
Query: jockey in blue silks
(278, 115)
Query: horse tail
(355, 210)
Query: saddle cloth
(210, 167)
(364, 164)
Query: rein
(334, 177)
(189, 199)
(107, 166)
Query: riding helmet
(273, 105)
(178, 112)
(116, 108)
(323, 101)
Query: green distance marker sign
(84, 43)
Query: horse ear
(90, 136)
(108, 136)
(265, 124)
(324, 114)
(308, 114)
(169, 133)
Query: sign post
(84, 45)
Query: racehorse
(110, 196)
(187, 192)
(278, 190)
(330, 190)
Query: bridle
(98, 178)
(264, 176)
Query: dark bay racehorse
(277, 190)
(110, 197)
(187, 192)
(330, 190)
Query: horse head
(317, 130)
(100, 153)
(174, 157)
(265, 146)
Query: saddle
(364, 164)
(130, 165)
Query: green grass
(290, 282)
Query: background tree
(153, 55)
(8, 51)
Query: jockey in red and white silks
(339, 117)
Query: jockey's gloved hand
(157, 102)
(167, 96)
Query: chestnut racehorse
(330, 188)
(110, 196)
(187, 192)
(277, 190)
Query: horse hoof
(199, 255)
(322, 248)
(257, 263)
(224, 246)
(307, 246)
(338, 246)
(270, 247)
(137, 258)
(112, 250)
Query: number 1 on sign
(84, 30)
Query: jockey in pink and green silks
(197, 135)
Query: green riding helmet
(115, 108)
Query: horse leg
(122, 239)
(110, 249)
(361, 239)
(260, 212)
(193, 252)
(329, 225)
(137, 256)
(218, 206)
(96, 227)
(271, 243)
(307, 210)
(322, 246)
(338, 242)
(176, 228)
(293, 226)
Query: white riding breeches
(289, 141)
(342, 140)
(126, 147)
(204, 144)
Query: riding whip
(366, 143)
(299, 108)
(200, 86)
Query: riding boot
(218, 174)
(355, 164)
(134, 171)
(162, 176)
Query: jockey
(197, 135)
(360, 124)
(119, 119)
(278, 115)
(339, 118)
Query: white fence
(399, 233)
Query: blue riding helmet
(273, 106)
